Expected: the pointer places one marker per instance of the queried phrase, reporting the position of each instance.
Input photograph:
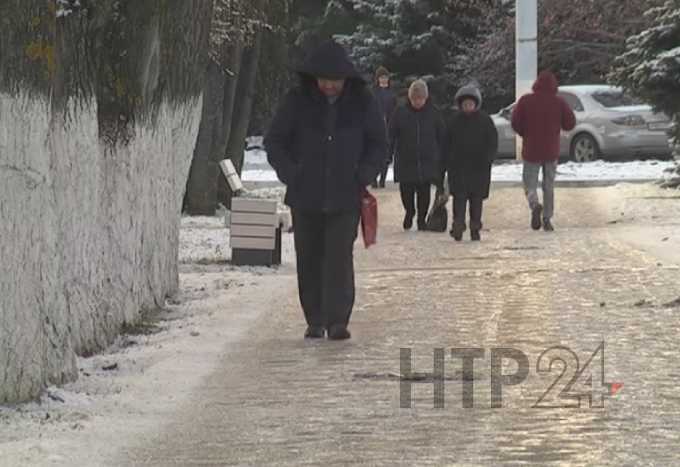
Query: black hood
(329, 60)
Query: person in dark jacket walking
(417, 137)
(538, 118)
(387, 101)
(471, 149)
(327, 143)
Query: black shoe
(374, 185)
(315, 332)
(547, 225)
(457, 232)
(536, 217)
(474, 235)
(381, 184)
(408, 222)
(338, 332)
(422, 225)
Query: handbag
(369, 218)
(438, 218)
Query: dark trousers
(413, 194)
(324, 245)
(380, 179)
(460, 204)
(383, 175)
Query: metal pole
(526, 51)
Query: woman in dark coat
(472, 146)
(417, 138)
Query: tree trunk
(223, 190)
(243, 107)
(230, 86)
(99, 111)
(201, 193)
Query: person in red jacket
(538, 118)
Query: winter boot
(315, 332)
(536, 217)
(338, 332)
(474, 235)
(408, 221)
(457, 231)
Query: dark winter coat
(387, 101)
(417, 139)
(471, 149)
(327, 153)
(538, 118)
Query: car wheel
(584, 148)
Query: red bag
(369, 218)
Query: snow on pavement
(133, 387)
(512, 172)
(256, 169)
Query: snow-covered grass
(512, 172)
(204, 240)
(256, 169)
(590, 171)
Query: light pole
(526, 51)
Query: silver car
(609, 124)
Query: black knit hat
(330, 60)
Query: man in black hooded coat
(327, 143)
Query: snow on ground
(256, 169)
(204, 240)
(137, 383)
(643, 204)
(135, 386)
(512, 172)
(591, 171)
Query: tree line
(256, 43)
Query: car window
(573, 101)
(615, 99)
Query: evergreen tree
(416, 38)
(650, 66)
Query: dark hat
(330, 60)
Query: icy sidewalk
(146, 394)
(280, 400)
